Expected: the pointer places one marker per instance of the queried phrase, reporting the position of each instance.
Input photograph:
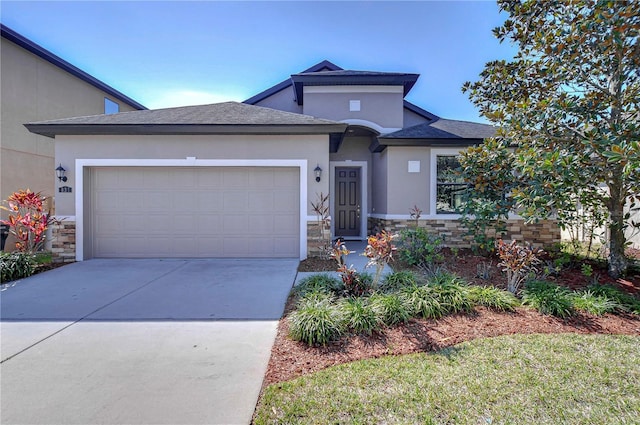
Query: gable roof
(217, 118)
(327, 67)
(45, 54)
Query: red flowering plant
(354, 285)
(27, 219)
(379, 251)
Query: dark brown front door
(347, 202)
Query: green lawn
(520, 379)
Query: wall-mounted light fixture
(60, 173)
(318, 172)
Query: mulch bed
(291, 359)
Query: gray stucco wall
(383, 109)
(313, 148)
(379, 182)
(33, 89)
(284, 100)
(411, 118)
(406, 189)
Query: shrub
(625, 302)
(453, 295)
(27, 220)
(594, 304)
(518, 261)
(391, 308)
(422, 302)
(417, 247)
(548, 298)
(16, 265)
(318, 283)
(398, 280)
(360, 316)
(493, 298)
(317, 320)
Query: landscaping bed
(291, 359)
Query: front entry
(347, 202)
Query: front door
(347, 202)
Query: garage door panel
(235, 201)
(195, 212)
(209, 201)
(285, 201)
(235, 178)
(261, 200)
(108, 201)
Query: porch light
(60, 173)
(318, 172)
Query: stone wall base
(541, 234)
(63, 243)
(318, 242)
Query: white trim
(353, 89)
(371, 125)
(364, 177)
(188, 162)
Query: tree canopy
(569, 105)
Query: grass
(523, 379)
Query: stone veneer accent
(539, 234)
(316, 245)
(63, 241)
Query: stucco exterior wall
(379, 176)
(382, 108)
(284, 100)
(405, 189)
(312, 148)
(33, 89)
(411, 118)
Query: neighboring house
(237, 179)
(37, 85)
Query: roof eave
(53, 130)
(381, 143)
(407, 81)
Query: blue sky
(170, 53)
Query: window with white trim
(450, 186)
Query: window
(449, 184)
(111, 107)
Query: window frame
(111, 104)
(433, 198)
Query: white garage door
(151, 212)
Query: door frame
(364, 206)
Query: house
(37, 85)
(238, 179)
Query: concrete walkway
(355, 259)
(140, 341)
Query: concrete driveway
(140, 341)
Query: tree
(569, 104)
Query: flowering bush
(27, 219)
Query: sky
(176, 53)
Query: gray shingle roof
(226, 113)
(444, 129)
(227, 117)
